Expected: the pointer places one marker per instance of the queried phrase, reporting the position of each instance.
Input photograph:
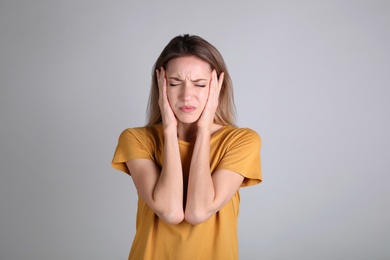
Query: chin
(188, 119)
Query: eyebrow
(177, 79)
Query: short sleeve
(243, 156)
(131, 145)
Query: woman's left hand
(206, 120)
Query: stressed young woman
(190, 160)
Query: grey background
(312, 77)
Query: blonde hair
(186, 45)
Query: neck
(186, 132)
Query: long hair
(192, 45)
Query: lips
(187, 109)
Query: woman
(190, 160)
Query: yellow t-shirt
(234, 149)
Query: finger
(158, 74)
(161, 81)
(219, 86)
(216, 86)
(161, 86)
(161, 76)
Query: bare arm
(162, 191)
(208, 193)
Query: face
(188, 83)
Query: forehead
(187, 66)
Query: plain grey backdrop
(311, 77)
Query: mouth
(187, 109)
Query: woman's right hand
(168, 117)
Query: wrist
(170, 130)
(205, 128)
(203, 131)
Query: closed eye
(173, 85)
(201, 86)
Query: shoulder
(132, 133)
(134, 130)
(136, 143)
(237, 133)
(146, 132)
(235, 138)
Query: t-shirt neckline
(216, 133)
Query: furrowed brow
(174, 78)
(197, 80)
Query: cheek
(204, 95)
(170, 95)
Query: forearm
(168, 192)
(201, 192)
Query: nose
(187, 92)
